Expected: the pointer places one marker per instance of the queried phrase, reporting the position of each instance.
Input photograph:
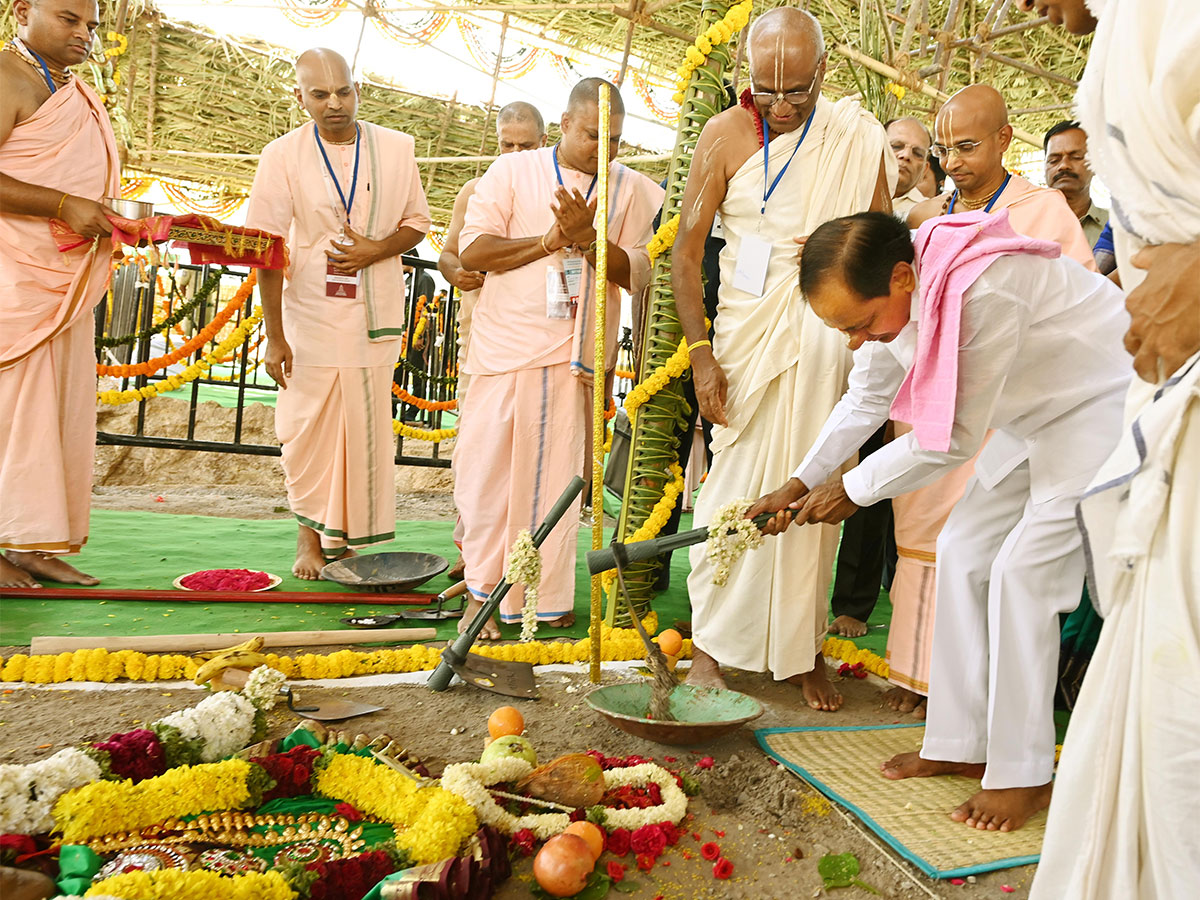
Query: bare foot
(458, 570)
(13, 576)
(912, 765)
(563, 621)
(705, 671)
(1003, 810)
(47, 567)
(903, 700)
(818, 689)
(309, 558)
(490, 630)
(848, 626)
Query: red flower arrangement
(615, 871)
(524, 841)
(135, 755)
(645, 862)
(292, 772)
(710, 851)
(723, 868)
(648, 840)
(226, 580)
(617, 843)
(349, 878)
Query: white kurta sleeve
(993, 323)
(871, 388)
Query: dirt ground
(775, 827)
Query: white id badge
(558, 301)
(573, 272)
(754, 256)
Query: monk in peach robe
(519, 126)
(348, 196)
(530, 355)
(57, 160)
(974, 114)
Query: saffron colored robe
(47, 355)
(334, 417)
(523, 423)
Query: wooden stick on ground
(192, 643)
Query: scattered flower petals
(617, 842)
(615, 871)
(705, 763)
(1008, 889)
(645, 862)
(957, 881)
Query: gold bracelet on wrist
(692, 347)
(546, 249)
(61, 201)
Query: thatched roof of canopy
(187, 92)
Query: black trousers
(867, 555)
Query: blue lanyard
(347, 204)
(558, 175)
(991, 203)
(768, 191)
(45, 68)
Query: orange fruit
(590, 833)
(670, 642)
(506, 720)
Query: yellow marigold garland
(431, 823)
(717, 33)
(664, 238)
(423, 434)
(236, 338)
(658, 517)
(176, 884)
(849, 652)
(618, 644)
(104, 807)
(675, 366)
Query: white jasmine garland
(525, 567)
(28, 793)
(724, 549)
(471, 781)
(262, 687)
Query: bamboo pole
(628, 44)
(155, 32)
(599, 365)
(487, 116)
(441, 141)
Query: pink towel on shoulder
(952, 251)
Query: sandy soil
(767, 814)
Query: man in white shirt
(1030, 348)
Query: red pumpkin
(563, 864)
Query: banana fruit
(244, 656)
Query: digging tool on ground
(326, 711)
(514, 679)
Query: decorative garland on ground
(617, 644)
(203, 293)
(221, 724)
(197, 885)
(203, 337)
(718, 33)
(236, 338)
(422, 434)
(471, 781)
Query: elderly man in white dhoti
(1003, 335)
(775, 167)
(1124, 821)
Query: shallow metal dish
(129, 209)
(393, 572)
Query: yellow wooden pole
(598, 372)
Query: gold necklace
(341, 143)
(971, 205)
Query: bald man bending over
(971, 134)
(348, 196)
(773, 371)
(519, 126)
(529, 225)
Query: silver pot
(129, 209)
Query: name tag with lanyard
(754, 252)
(339, 285)
(564, 286)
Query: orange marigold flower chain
(202, 338)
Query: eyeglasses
(794, 98)
(961, 149)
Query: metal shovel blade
(330, 710)
(512, 679)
